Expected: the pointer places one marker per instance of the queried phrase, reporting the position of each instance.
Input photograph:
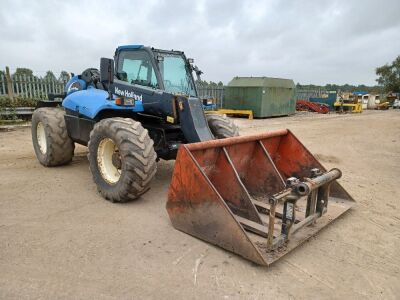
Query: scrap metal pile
(304, 105)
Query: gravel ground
(60, 239)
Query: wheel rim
(41, 138)
(106, 151)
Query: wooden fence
(29, 86)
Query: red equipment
(258, 196)
(304, 105)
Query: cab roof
(127, 47)
(124, 47)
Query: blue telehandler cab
(140, 107)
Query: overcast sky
(309, 41)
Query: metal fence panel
(39, 88)
(306, 94)
(216, 92)
(31, 86)
(3, 85)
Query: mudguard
(91, 101)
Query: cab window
(135, 67)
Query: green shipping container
(265, 96)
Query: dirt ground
(60, 239)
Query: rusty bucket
(258, 196)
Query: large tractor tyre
(53, 146)
(121, 158)
(221, 127)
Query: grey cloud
(310, 41)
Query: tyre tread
(137, 152)
(60, 147)
(221, 126)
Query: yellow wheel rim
(105, 152)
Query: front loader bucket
(258, 196)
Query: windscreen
(176, 74)
(135, 67)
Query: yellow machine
(341, 106)
(382, 106)
(347, 102)
(232, 112)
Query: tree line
(49, 76)
(388, 80)
(376, 89)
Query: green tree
(50, 76)
(202, 83)
(389, 76)
(64, 76)
(23, 71)
(332, 87)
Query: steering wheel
(167, 83)
(171, 87)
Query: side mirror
(106, 70)
(198, 72)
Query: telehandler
(258, 196)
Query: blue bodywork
(209, 106)
(75, 84)
(359, 93)
(171, 118)
(128, 47)
(89, 101)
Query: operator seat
(122, 76)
